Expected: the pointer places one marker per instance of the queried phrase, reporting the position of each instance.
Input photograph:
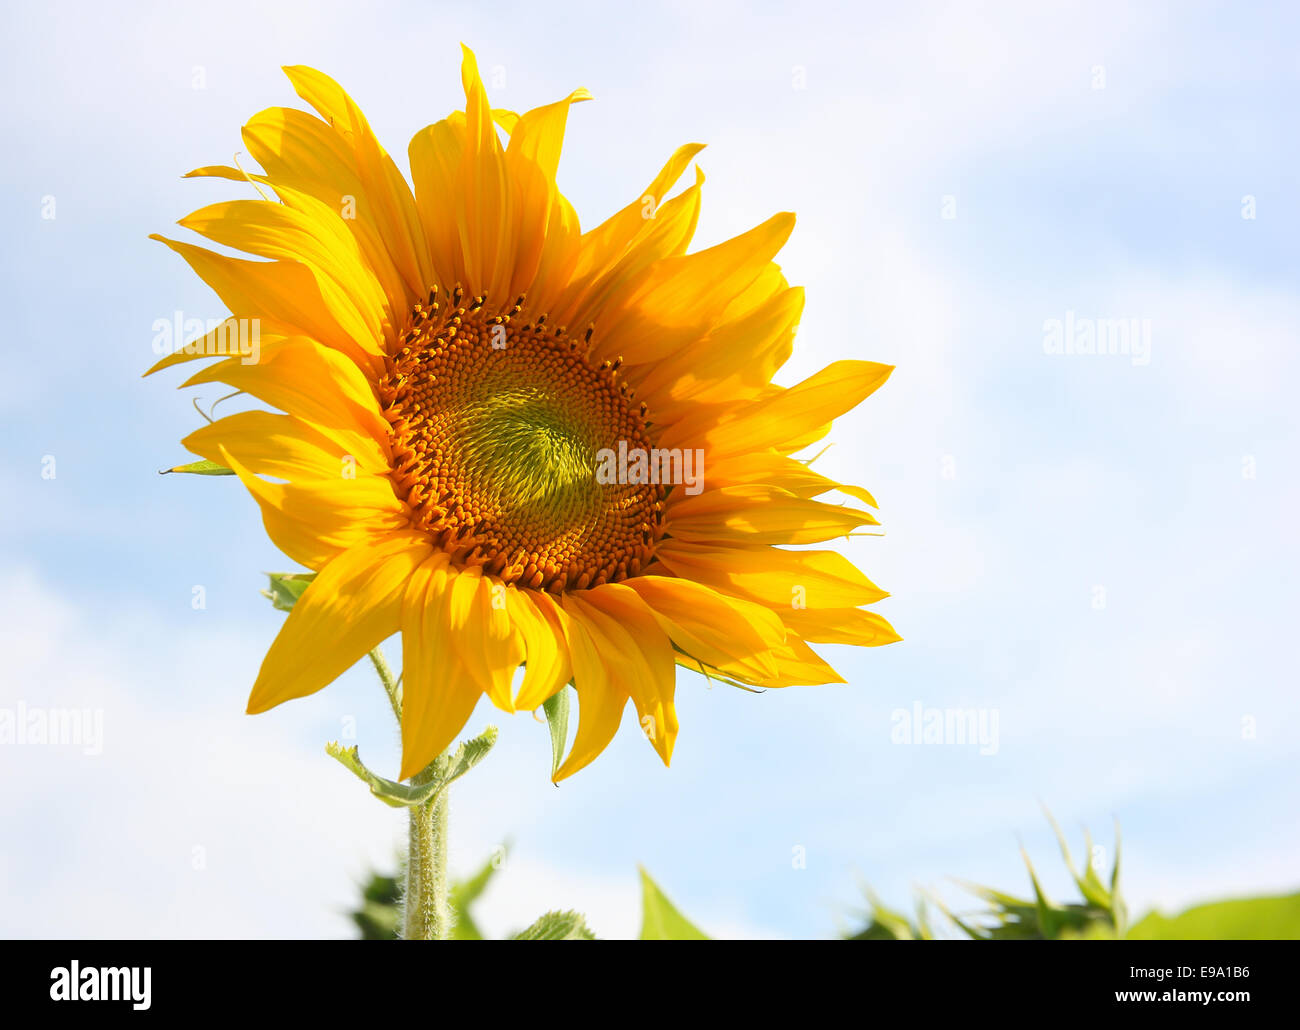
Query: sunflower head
(515, 442)
(496, 423)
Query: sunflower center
(498, 430)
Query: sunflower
(514, 442)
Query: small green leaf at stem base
(403, 795)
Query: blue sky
(1014, 484)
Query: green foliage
(286, 588)
(886, 924)
(376, 917)
(557, 926)
(462, 896)
(202, 468)
(1249, 919)
(445, 770)
(1098, 914)
(660, 920)
(556, 708)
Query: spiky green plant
(887, 924)
(1100, 912)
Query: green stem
(392, 687)
(427, 911)
(428, 914)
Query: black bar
(995, 984)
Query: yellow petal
(678, 300)
(321, 242)
(302, 378)
(792, 418)
(796, 665)
(532, 159)
(840, 626)
(603, 250)
(387, 198)
(484, 211)
(555, 269)
(438, 692)
(506, 119)
(734, 362)
(771, 576)
(759, 514)
(607, 244)
(667, 233)
(228, 339)
(284, 292)
(547, 667)
(216, 172)
(600, 701)
(314, 521)
(710, 626)
(352, 606)
(387, 293)
(630, 640)
(287, 448)
(480, 631)
(300, 151)
(782, 471)
(435, 155)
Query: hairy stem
(427, 913)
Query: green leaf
(202, 468)
(468, 755)
(464, 893)
(557, 926)
(286, 588)
(556, 708)
(1100, 913)
(1249, 919)
(888, 924)
(660, 920)
(403, 795)
(397, 795)
(376, 918)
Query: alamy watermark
(1099, 336)
(212, 337)
(677, 466)
(961, 727)
(102, 983)
(55, 727)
